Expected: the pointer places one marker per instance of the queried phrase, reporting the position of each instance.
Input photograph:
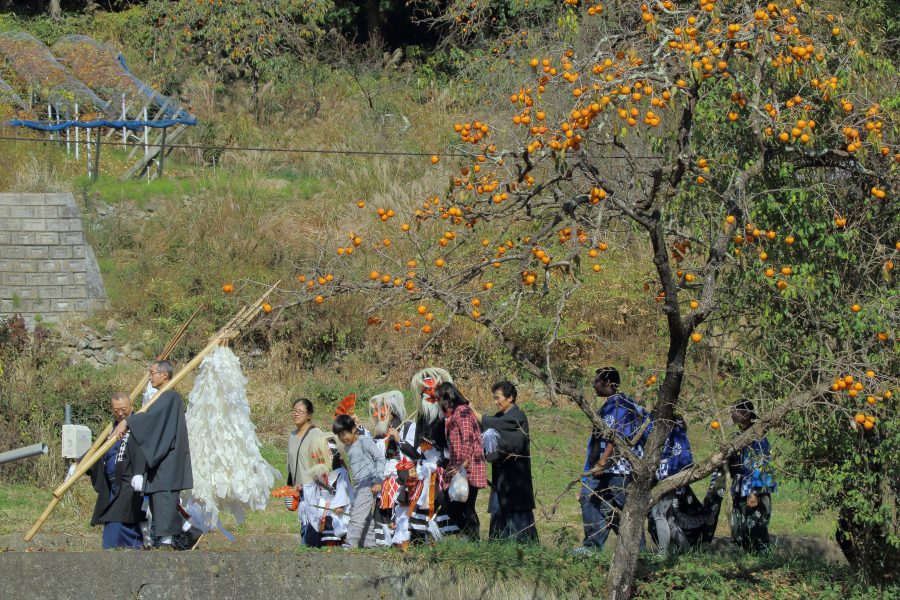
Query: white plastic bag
(489, 439)
(459, 486)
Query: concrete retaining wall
(47, 268)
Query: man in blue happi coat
(608, 473)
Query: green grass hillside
(166, 246)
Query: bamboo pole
(164, 355)
(404, 422)
(167, 352)
(95, 171)
(410, 417)
(229, 331)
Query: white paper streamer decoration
(230, 474)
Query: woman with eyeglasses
(299, 446)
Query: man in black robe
(161, 435)
(511, 504)
(118, 507)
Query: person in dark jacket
(511, 503)
(161, 435)
(118, 507)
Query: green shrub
(239, 40)
(35, 386)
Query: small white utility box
(76, 440)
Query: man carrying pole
(161, 435)
(118, 507)
(227, 332)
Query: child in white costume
(325, 502)
(395, 437)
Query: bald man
(161, 435)
(118, 507)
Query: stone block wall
(47, 268)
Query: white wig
(382, 407)
(422, 387)
(319, 454)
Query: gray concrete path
(259, 568)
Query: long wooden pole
(228, 332)
(167, 351)
(409, 418)
(95, 172)
(162, 154)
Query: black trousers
(463, 515)
(515, 525)
(166, 518)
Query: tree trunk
(373, 22)
(55, 10)
(620, 580)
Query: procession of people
(417, 477)
(404, 478)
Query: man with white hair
(326, 499)
(392, 431)
(429, 455)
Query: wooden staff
(164, 355)
(229, 331)
(167, 351)
(409, 418)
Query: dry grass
(33, 167)
(39, 176)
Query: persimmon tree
(745, 147)
(240, 40)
